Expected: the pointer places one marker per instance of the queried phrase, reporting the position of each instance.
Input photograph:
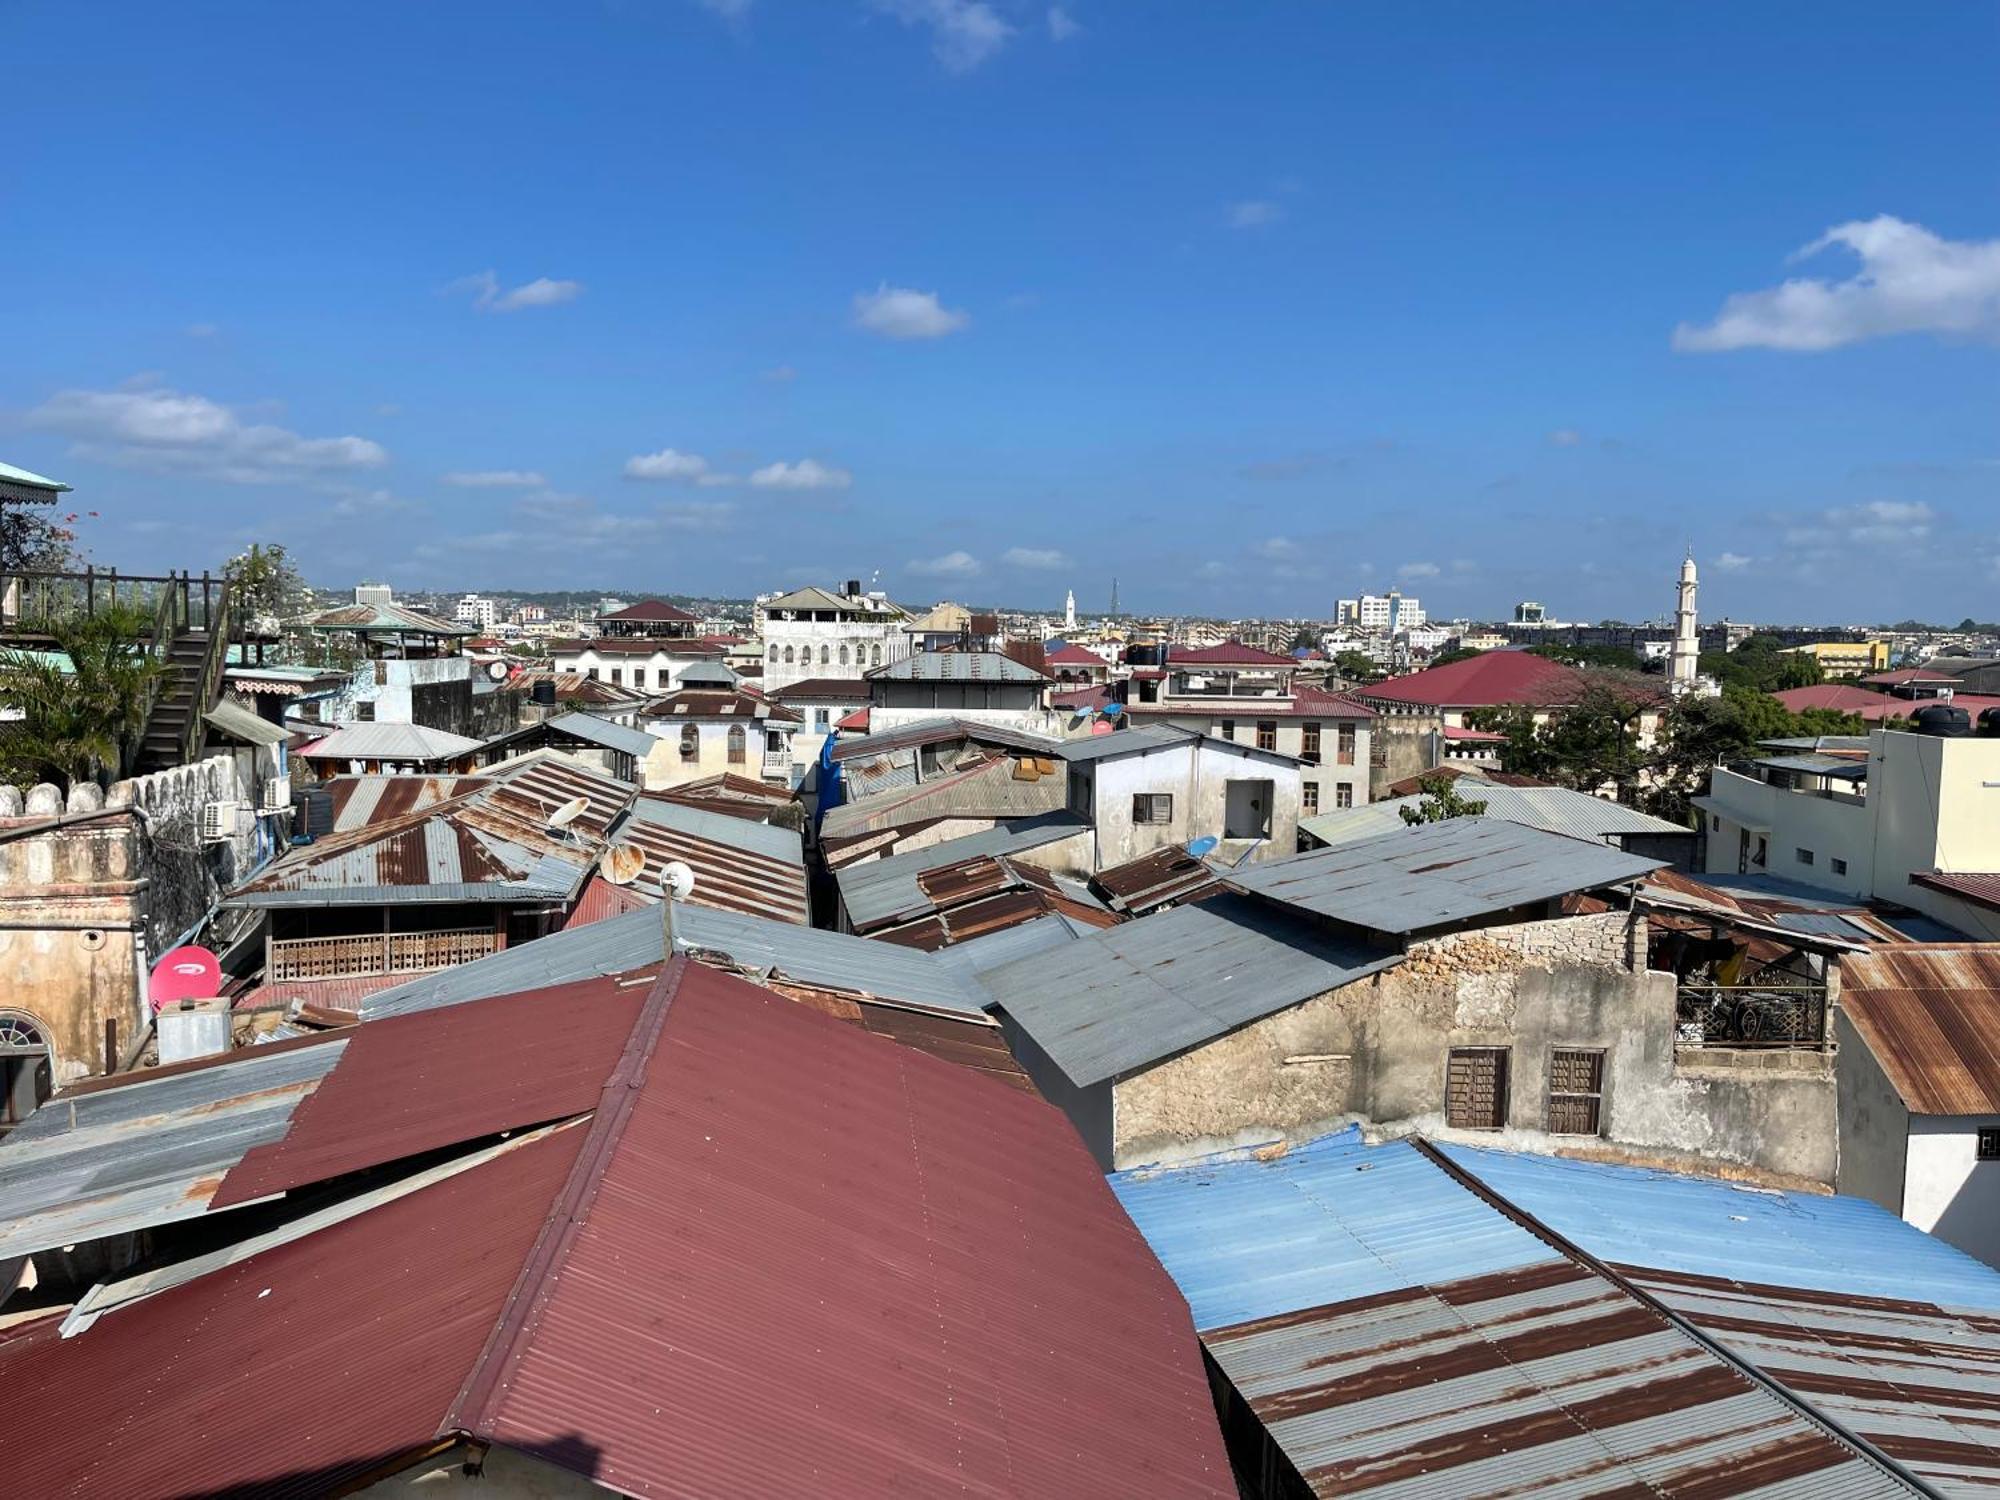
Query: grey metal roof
(701, 673)
(1553, 809)
(596, 731)
(148, 1152)
(975, 956)
(990, 790)
(1134, 741)
(957, 666)
(879, 891)
(833, 960)
(241, 722)
(940, 729)
(1818, 765)
(1438, 874)
(1131, 995)
(390, 742)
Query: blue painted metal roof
(1324, 1222)
(1632, 1216)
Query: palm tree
(83, 705)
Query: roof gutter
(1834, 1429)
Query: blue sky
(1250, 305)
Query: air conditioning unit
(218, 822)
(277, 794)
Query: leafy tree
(34, 536)
(1590, 741)
(1700, 733)
(1616, 658)
(1441, 800)
(1357, 666)
(83, 723)
(1304, 640)
(1762, 663)
(272, 599)
(1446, 658)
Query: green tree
(1586, 743)
(1446, 658)
(1614, 658)
(1441, 799)
(1701, 733)
(83, 705)
(35, 536)
(1357, 666)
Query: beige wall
(666, 766)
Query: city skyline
(693, 323)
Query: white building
(1387, 613)
(1145, 788)
(1685, 661)
(474, 609)
(377, 594)
(711, 729)
(813, 632)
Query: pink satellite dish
(1101, 726)
(188, 973)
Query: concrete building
(476, 611)
(1380, 613)
(1684, 662)
(1919, 1084)
(977, 685)
(1841, 661)
(712, 729)
(814, 632)
(1146, 788)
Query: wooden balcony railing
(376, 953)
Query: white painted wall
(659, 672)
(795, 650)
(1948, 1191)
(1196, 774)
(667, 766)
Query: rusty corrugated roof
(1930, 1013)
(739, 865)
(1144, 884)
(1980, 889)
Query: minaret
(1069, 610)
(1687, 648)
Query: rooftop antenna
(676, 883)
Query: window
(875, 654)
(1343, 795)
(1308, 798)
(690, 742)
(617, 675)
(1714, 823)
(1152, 807)
(737, 747)
(591, 673)
(822, 718)
(1576, 1091)
(364, 711)
(638, 677)
(843, 653)
(1803, 856)
(1310, 752)
(1079, 793)
(1228, 729)
(1267, 734)
(1989, 1143)
(1838, 866)
(1475, 1088)
(774, 655)
(27, 1067)
(1344, 755)
(825, 656)
(788, 656)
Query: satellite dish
(622, 863)
(188, 973)
(677, 880)
(1083, 711)
(1204, 846)
(1113, 710)
(1100, 726)
(569, 812)
(497, 670)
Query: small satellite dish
(677, 879)
(1204, 846)
(569, 812)
(497, 670)
(622, 863)
(1113, 710)
(1083, 711)
(187, 973)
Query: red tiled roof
(652, 609)
(1488, 680)
(698, 704)
(1084, 697)
(1483, 736)
(1874, 707)
(828, 689)
(1229, 654)
(1067, 655)
(856, 720)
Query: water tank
(192, 1029)
(1943, 720)
(544, 693)
(1989, 722)
(312, 812)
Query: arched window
(737, 753)
(788, 656)
(877, 654)
(843, 653)
(690, 742)
(27, 1067)
(825, 656)
(774, 655)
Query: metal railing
(177, 601)
(375, 953)
(1751, 1015)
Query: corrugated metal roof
(148, 1151)
(878, 892)
(1981, 889)
(1438, 874)
(1931, 1017)
(28, 479)
(240, 722)
(1133, 994)
(620, 945)
(738, 865)
(956, 666)
(1138, 740)
(1842, 767)
(973, 957)
(1152, 880)
(939, 730)
(872, 1284)
(388, 619)
(1249, 1237)
(596, 731)
(1552, 809)
(994, 788)
(360, 801)
(411, 742)
(1634, 1216)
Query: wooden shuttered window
(1475, 1092)
(1576, 1091)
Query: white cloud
(958, 564)
(1417, 570)
(896, 312)
(541, 292)
(1910, 281)
(1882, 521)
(1042, 559)
(1062, 25)
(1565, 437)
(964, 33)
(1276, 548)
(174, 432)
(496, 479)
(1733, 562)
(806, 474)
(1255, 213)
(669, 464)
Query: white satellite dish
(496, 670)
(677, 880)
(623, 862)
(569, 812)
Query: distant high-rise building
(1528, 612)
(376, 594)
(1114, 598)
(473, 609)
(1683, 664)
(1386, 613)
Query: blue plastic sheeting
(1634, 1217)
(1319, 1223)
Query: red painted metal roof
(652, 609)
(1229, 654)
(1487, 680)
(1981, 889)
(1067, 655)
(409, 1084)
